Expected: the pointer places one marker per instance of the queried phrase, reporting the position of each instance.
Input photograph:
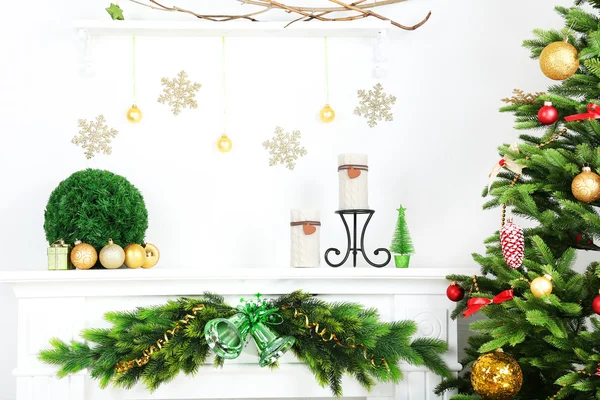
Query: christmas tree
(401, 242)
(553, 336)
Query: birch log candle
(305, 237)
(353, 173)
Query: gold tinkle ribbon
(332, 336)
(145, 358)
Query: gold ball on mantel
(559, 60)
(83, 255)
(112, 256)
(496, 376)
(152, 255)
(586, 186)
(135, 256)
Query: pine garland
(361, 341)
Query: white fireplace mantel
(62, 303)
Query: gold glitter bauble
(83, 255)
(224, 144)
(586, 186)
(496, 376)
(152, 255)
(559, 60)
(135, 256)
(134, 114)
(112, 255)
(540, 286)
(327, 114)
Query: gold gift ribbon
(147, 354)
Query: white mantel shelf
(163, 281)
(62, 303)
(365, 28)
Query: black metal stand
(352, 241)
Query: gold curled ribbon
(147, 354)
(333, 337)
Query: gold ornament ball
(83, 255)
(224, 144)
(134, 114)
(496, 376)
(135, 256)
(327, 114)
(559, 60)
(152, 255)
(540, 286)
(112, 255)
(586, 186)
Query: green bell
(270, 346)
(227, 337)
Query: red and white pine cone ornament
(513, 244)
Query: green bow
(260, 310)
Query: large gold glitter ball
(559, 60)
(586, 186)
(224, 144)
(541, 286)
(152, 255)
(134, 114)
(327, 114)
(496, 376)
(83, 255)
(112, 255)
(135, 256)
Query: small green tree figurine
(402, 244)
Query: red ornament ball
(548, 114)
(455, 292)
(596, 304)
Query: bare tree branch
(360, 9)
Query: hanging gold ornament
(496, 376)
(327, 114)
(541, 286)
(134, 114)
(586, 186)
(112, 255)
(559, 60)
(135, 256)
(152, 255)
(224, 144)
(83, 255)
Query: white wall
(209, 210)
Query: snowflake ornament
(375, 105)
(285, 148)
(179, 93)
(95, 137)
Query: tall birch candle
(353, 173)
(305, 228)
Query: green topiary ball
(93, 206)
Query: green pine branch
(363, 347)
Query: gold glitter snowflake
(94, 137)
(179, 93)
(284, 148)
(520, 97)
(375, 105)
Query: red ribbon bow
(474, 304)
(593, 113)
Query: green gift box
(59, 256)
